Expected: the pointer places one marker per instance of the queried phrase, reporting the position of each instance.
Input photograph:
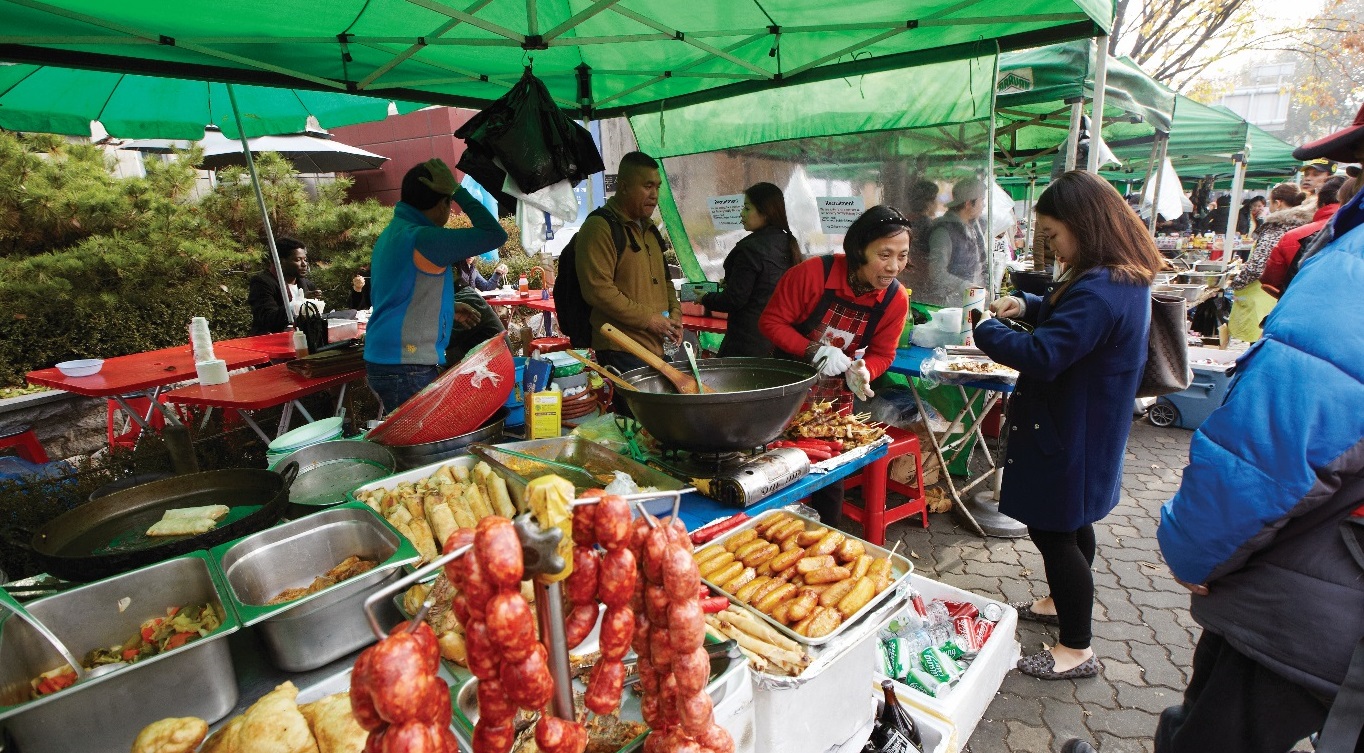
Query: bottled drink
(895, 731)
(523, 287)
(669, 345)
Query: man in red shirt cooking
(844, 313)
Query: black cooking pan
(109, 536)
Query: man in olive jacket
(628, 287)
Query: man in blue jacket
(1265, 530)
(412, 286)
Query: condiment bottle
(300, 343)
(523, 286)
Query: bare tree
(1176, 40)
(1330, 71)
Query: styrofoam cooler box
(937, 735)
(965, 705)
(831, 701)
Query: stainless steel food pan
(309, 632)
(900, 569)
(104, 714)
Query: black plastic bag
(1210, 315)
(538, 144)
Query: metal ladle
(10, 603)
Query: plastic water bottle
(669, 345)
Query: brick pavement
(1142, 630)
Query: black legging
(1068, 557)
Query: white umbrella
(309, 153)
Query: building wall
(406, 140)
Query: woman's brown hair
(1288, 193)
(1107, 232)
(771, 204)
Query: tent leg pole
(1096, 120)
(1038, 264)
(1163, 143)
(1238, 183)
(1073, 141)
(264, 211)
(1150, 170)
(990, 195)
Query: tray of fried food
(807, 581)
(428, 504)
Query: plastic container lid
(317, 431)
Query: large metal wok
(754, 400)
(109, 536)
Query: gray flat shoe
(1042, 665)
(1025, 613)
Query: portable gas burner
(735, 478)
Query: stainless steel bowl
(417, 455)
(326, 471)
(755, 399)
(309, 632)
(103, 714)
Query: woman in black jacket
(752, 270)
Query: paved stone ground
(1142, 630)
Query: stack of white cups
(211, 370)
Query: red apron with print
(845, 325)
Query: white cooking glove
(830, 361)
(859, 380)
(1008, 307)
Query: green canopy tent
(1039, 100)
(1039, 91)
(599, 57)
(51, 99)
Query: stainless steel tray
(311, 631)
(328, 470)
(900, 569)
(193, 680)
(599, 462)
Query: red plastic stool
(25, 444)
(875, 481)
(128, 438)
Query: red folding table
(278, 346)
(263, 388)
(146, 372)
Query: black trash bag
(538, 144)
(1210, 315)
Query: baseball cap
(1341, 146)
(966, 190)
(1322, 164)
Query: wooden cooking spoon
(685, 384)
(621, 383)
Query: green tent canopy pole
(264, 211)
(1146, 182)
(990, 196)
(1163, 142)
(1028, 202)
(1238, 183)
(1073, 141)
(1096, 120)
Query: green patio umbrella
(600, 57)
(51, 99)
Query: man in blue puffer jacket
(1258, 531)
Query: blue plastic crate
(1189, 408)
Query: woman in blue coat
(1071, 412)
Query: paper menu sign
(836, 213)
(724, 212)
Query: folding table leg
(934, 442)
(340, 398)
(286, 413)
(303, 410)
(246, 416)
